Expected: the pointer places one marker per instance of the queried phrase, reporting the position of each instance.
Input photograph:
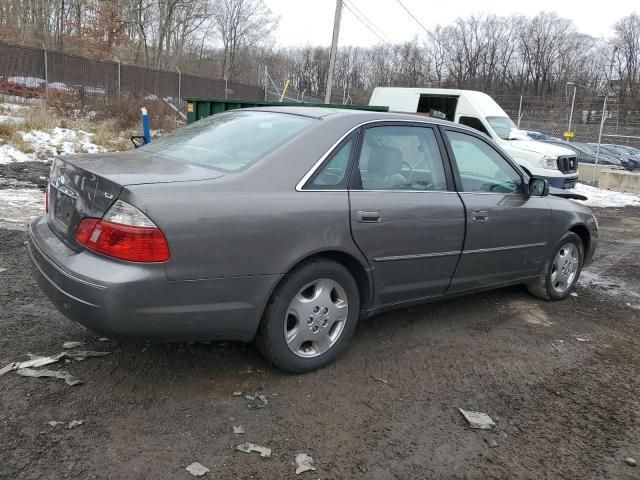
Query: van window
(502, 126)
(438, 106)
(474, 122)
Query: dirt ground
(388, 409)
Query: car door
(406, 217)
(507, 230)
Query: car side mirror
(538, 187)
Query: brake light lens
(46, 199)
(124, 233)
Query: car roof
(327, 113)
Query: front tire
(561, 270)
(310, 317)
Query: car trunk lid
(83, 186)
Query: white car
(478, 110)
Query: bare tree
(241, 24)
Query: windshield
(502, 126)
(232, 140)
(590, 149)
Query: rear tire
(310, 317)
(561, 270)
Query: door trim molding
(500, 249)
(416, 256)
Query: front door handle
(368, 216)
(479, 216)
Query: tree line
(236, 39)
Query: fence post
(119, 90)
(179, 87)
(604, 113)
(46, 71)
(573, 103)
(519, 110)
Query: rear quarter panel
(253, 222)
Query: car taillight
(46, 199)
(125, 233)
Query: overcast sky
(307, 22)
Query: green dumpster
(198, 108)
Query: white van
(478, 110)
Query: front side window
(401, 158)
(230, 141)
(481, 167)
(473, 122)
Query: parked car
(624, 149)
(542, 136)
(629, 162)
(586, 154)
(478, 110)
(287, 225)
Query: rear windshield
(232, 140)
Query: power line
(373, 25)
(423, 27)
(364, 23)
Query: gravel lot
(560, 380)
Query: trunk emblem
(108, 195)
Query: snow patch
(8, 154)
(61, 141)
(18, 207)
(29, 82)
(10, 119)
(599, 197)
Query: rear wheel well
(354, 266)
(583, 233)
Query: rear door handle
(479, 216)
(368, 216)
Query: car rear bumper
(124, 299)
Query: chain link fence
(614, 142)
(28, 72)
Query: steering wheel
(404, 162)
(500, 188)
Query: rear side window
(334, 173)
(401, 158)
(230, 141)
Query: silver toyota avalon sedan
(287, 225)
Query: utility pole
(604, 113)
(334, 48)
